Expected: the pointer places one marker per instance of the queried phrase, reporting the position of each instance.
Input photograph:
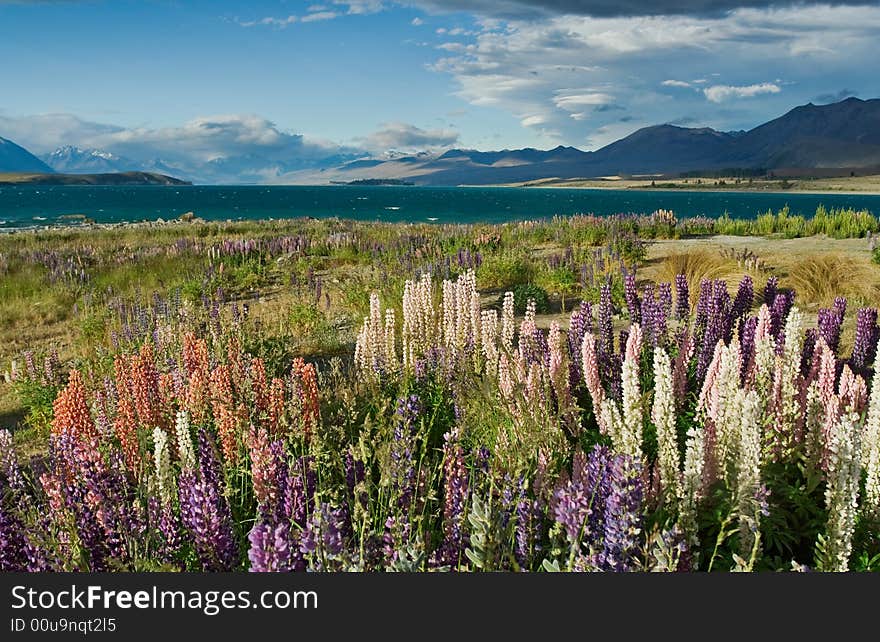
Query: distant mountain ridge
(14, 158)
(838, 135)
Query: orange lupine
(276, 406)
(70, 410)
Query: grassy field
(413, 410)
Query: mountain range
(809, 138)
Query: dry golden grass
(818, 278)
(696, 265)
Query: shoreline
(710, 190)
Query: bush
(523, 292)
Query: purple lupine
(631, 295)
(830, 321)
(455, 494)
(811, 336)
(682, 298)
(325, 535)
(355, 474)
(717, 325)
(622, 515)
(403, 474)
(747, 345)
(770, 290)
(865, 345)
(205, 511)
(664, 297)
(778, 314)
(269, 550)
(605, 343)
(579, 501)
(581, 323)
(527, 544)
(9, 468)
(12, 542)
(742, 303)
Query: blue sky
(208, 79)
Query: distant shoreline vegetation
(373, 181)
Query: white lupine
(507, 323)
(185, 451)
(691, 489)
(748, 470)
(613, 423)
(631, 441)
(785, 386)
(390, 349)
(871, 446)
(417, 333)
(842, 493)
(447, 321)
(724, 409)
(765, 357)
(489, 339)
(814, 419)
(663, 417)
(162, 462)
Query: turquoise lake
(24, 206)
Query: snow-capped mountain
(75, 160)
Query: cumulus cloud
(417, 22)
(720, 93)
(676, 83)
(244, 146)
(523, 66)
(408, 138)
(530, 9)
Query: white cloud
(417, 22)
(246, 146)
(720, 93)
(573, 102)
(531, 121)
(525, 67)
(408, 138)
(319, 15)
(281, 23)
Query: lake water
(23, 206)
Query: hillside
(14, 158)
(116, 178)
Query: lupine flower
(867, 334)
(70, 410)
(871, 447)
(622, 516)
(633, 303)
(748, 471)
(830, 321)
(663, 418)
(841, 494)
(205, 511)
(682, 298)
(269, 550)
(455, 499)
(162, 464)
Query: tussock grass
(696, 265)
(818, 278)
